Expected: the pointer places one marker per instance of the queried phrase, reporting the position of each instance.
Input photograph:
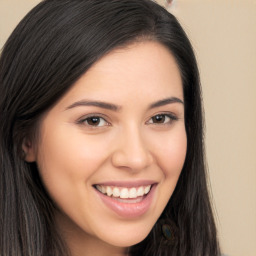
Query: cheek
(73, 155)
(67, 163)
(171, 153)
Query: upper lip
(127, 184)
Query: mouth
(127, 200)
(124, 192)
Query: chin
(127, 239)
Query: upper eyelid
(165, 114)
(93, 115)
(85, 117)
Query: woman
(101, 134)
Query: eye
(162, 119)
(94, 121)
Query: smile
(122, 192)
(127, 200)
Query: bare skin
(120, 126)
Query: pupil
(93, 120)
(159, 118)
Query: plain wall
(223, 33)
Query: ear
(28, 150)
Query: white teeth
(116, 192)
(103, 189)
(109, 191)
(140, 191)
(133, 193)
(124, 193)
(147, 189)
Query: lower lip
(129, 210)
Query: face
(111, 150)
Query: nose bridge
(132, 150)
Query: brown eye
(159, 119)
(162, 119)
(95, 121)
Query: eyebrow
(99, 104)
(116, 108)
(165, 102)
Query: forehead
(138, 71)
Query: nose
(132, 152)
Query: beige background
(223, 33)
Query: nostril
(132, 151)
(132, 160)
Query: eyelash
(171, 116)
(84, 121)
(98, 119)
